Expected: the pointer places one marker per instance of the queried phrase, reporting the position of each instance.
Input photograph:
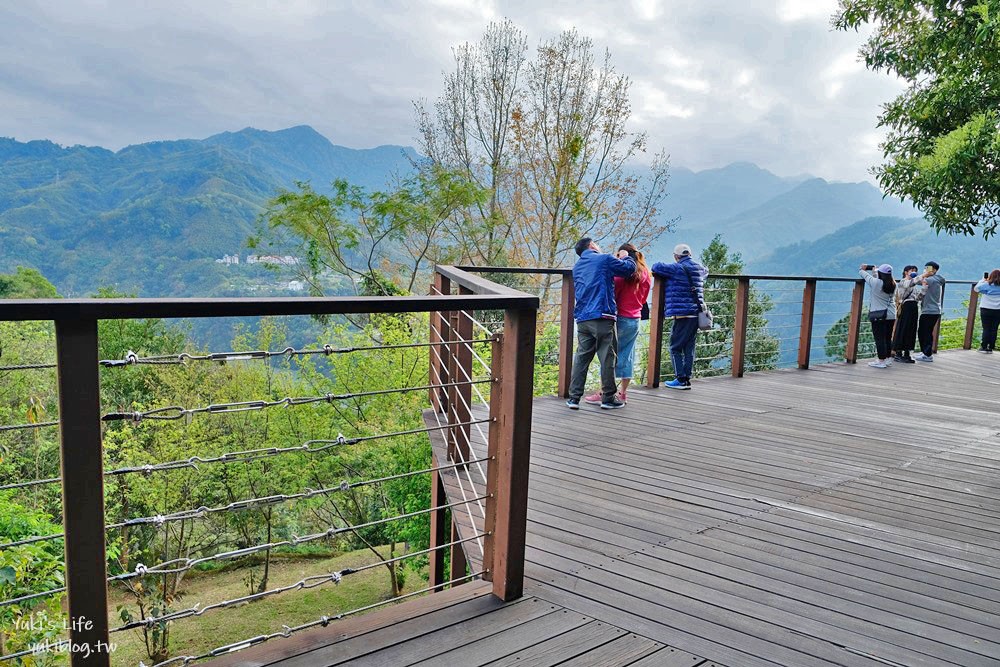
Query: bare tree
(547, 137)
(468, 130)
(574, 153)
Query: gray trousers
(595, 337)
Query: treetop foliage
(943, 146)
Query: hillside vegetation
(152, 219)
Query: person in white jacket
(989, 309)
(881, 311)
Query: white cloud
(647, 10)
(790, 11)
(652, 102)
(714, 80)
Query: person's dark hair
(888, 284)
(583, 244)
(907, 269)
(994, 278)
(933, 265)
(641, 269)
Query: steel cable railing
(243, 456)
(288, 631)
(460, 451)
(461, 381)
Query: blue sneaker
(677, 384)
(573, 404)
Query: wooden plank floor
(843, 515)
(839, 516)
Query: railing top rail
(477, 284)
(719, 276)
(517, 269)
(103, 309)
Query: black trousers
(991, 319)
(882, 331)
(925, 333)
(904, 338)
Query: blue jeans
(682, 341)
(628, 329)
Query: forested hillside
(891, 240)
(152, 219)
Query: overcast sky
(714, 81)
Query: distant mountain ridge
(151, 218)
(757, 211)
(878, 240)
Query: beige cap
(682, 249)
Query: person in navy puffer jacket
(685, 280)
(595, 313)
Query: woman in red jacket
(630, 293)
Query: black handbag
(877, 315)
(644, 315)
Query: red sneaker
(594, 399)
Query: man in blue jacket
(682, 300)
(595, 313)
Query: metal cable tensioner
(175, 412)
(133, 359)
(248, 455)
(305, 583)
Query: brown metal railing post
(806, 327)
(970, 319)
(82, 465)
(740, 326)
(854, 325)
(513, 451)
(438, 353)
(496, 389)
(461, 365)
(459, 563)
(655, 334)
(937, 325)
(439, 530)
(566, 335)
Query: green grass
(196, 635)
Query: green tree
(942, 150)
(380, 242)
(31, 568)
(835, 344)
(26, 284)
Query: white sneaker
(888, 362)
(920, 356)
(877, 364)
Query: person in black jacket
(904, 337)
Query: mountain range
(758, 212)
(152, 219)
(878, 240)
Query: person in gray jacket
(930, 310)
(881, 311)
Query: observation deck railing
(805, 308)
(479, 386)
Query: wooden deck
(843, 515)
